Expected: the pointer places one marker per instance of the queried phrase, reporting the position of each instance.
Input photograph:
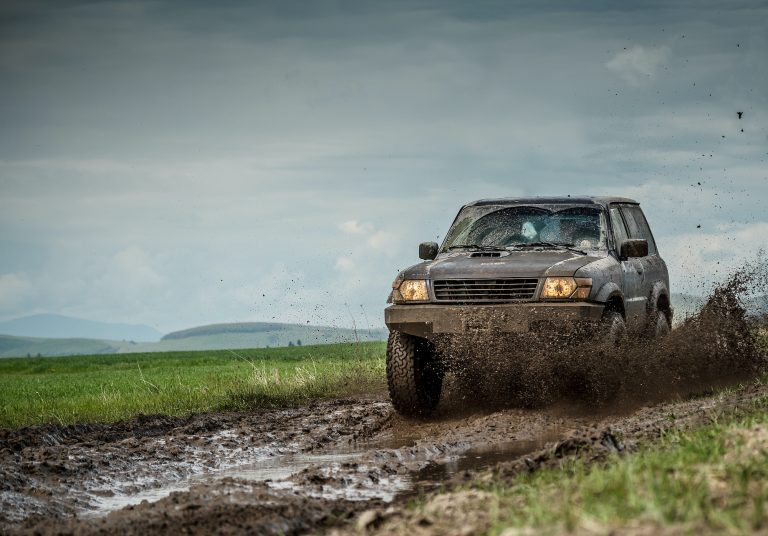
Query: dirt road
(293, 471)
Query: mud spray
(721, 344)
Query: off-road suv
(582, 264)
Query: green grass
(714, 478)
(112, 387)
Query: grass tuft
(272, 387)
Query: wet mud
(352, 464)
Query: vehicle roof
(567, 200)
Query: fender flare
(608, 291)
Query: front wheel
(613, 329)
(414, 374)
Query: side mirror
(428, 250)
(634, 247)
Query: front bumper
(426, 320)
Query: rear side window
(617, 225)
(638, 226)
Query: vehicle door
(634, 298)
(651, 265)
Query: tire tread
(413, 389)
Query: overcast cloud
(183, 163)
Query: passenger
(585, 235)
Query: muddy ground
(300, 470)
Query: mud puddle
(485, 457)
(347, 471)
(274, 470)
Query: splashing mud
(718, 345)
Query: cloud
(382, 240)
(14, 289)
(638, 65)
(345, 264)
(355, 227)
(376, 239)
(133, 268)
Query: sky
(182, 163)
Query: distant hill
(11, 346)
(66, 327)
(233, 327)
(260, 334)
(214, 337)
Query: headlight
(410, 290)
(566, 287)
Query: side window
(617, 225)
(638, 226)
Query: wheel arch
(610, 294)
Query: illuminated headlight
(560, 288)
(409, 290)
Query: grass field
(111, 387)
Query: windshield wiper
(477, 246)
(556, 245)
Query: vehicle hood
(516, 264)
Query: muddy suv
(580, 267)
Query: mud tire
(659, 325)
(414, 375)
(612, 332)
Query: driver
(529, 231)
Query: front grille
(484, 290)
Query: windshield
(504, 226)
